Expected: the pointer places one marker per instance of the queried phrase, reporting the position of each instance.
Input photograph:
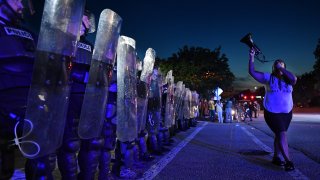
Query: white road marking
(295, 174)
(155, 169)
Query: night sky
(286, 29)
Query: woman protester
(278, 105)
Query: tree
(315, 101)
(306, 91)
(316, 53)
(200, 69)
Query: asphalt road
(235, 150)
(244, 151)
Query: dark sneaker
(277, 161)
(289, 166)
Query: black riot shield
(49, 92)
(127, 91)
(93, 109)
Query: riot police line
(68, 101)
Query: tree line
(202, 70)
(307, 90)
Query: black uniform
(67, 158)
(109, 132)
(17, 47)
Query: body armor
(67, 159)
(17, 46)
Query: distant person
(211, 109)
(247, 111)
(205, 109)
(278, 105)
(202, 107)
(256, 109)
(229, 111)
(219, 108)
(239, 109)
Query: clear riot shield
(172, 99)
(143, 88)
(187, 104)
(177, 96)
(154, 102)
(195, 100)
(142, 101)
(49, 92)
(181, 101)
(127, 93)
(193, 104)
(168, 115)
(148, 63)
(103, 59)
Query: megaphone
(247, 39)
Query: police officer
(154, 113)
(17, 47)
(109, 133)
(66, 155)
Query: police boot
(180, 124)
(172, 130)
(7, 148)
(143, 151)
(153, 144)
(7, 161)
(67, 157)
(88, 157)
(118, 160)
(40, 168)
(166, 137)
(104, 164)
(109, 131)
(160, 140)
(127, 150)
(186, 123)
(194, 122)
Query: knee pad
(92, 144)
(72, 145)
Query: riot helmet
(11, 10)
(88, 23)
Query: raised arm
(258, 76)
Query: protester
(211, 109)
(278, 105)
(247, 111)
(219, 107)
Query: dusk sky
(286, 29)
